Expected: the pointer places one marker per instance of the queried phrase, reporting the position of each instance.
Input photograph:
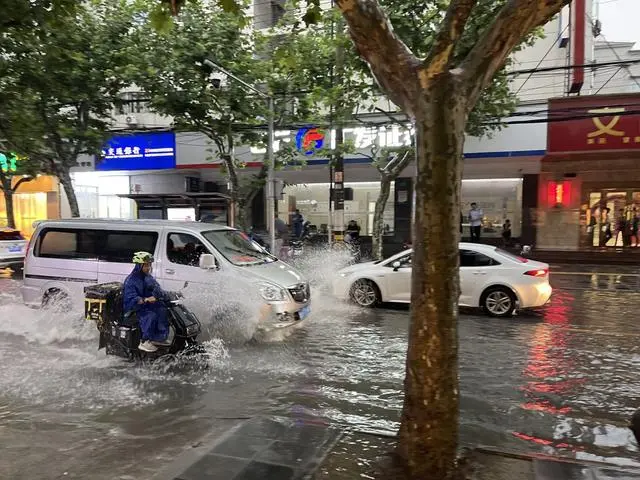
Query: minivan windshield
(237, 247)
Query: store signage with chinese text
(140, 151)
(309, 140)
(594, 123)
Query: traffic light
(8, 164)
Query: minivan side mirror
(396, 265)
(207, 262)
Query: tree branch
(450, 31)
(392, 63)
(399, 164)
(515, 19)
(20, 182)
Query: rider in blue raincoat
(141, 294)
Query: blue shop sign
(140, 151)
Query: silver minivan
(64, 256)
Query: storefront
(499, 198)
(590, 178)
(37, 199)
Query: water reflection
(562, 380)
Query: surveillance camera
(216, 79)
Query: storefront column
(529, 209)
(402, 208)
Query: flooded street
(563, 379)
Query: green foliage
(62, 70)
(170, 70)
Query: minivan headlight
(271, 292)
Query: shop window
(313, 202)
(71, 244)
(185, 249)
(119, 247)
(499, 198)
(469, 258)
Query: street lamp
(271, 194)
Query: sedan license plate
(15, 248)
(304, 312)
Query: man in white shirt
(475, 222)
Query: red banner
(594, 123)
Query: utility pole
(271, 190)
(271, 187)
(338, 159)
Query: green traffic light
(8, 164)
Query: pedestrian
(475, 221)
(635, 222)
(297, 222)
(606, 226)
(621, 228)
(506, 233)
(353, 230)
(281, 234)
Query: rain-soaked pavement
(563, 380)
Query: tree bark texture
(378, 216)
(67, 184)
(429, 424)
(8, 203)
(439, 95)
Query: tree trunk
(429, 426)
(8, 203)
(65, 179)
(378, 216)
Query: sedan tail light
(541, 272)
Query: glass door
(610, 218)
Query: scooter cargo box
(103, 302)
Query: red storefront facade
(592, 164)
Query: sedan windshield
(237, 247)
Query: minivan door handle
(169, 271)
(480, 272)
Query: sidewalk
(277, 448)
(606, 256)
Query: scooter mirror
(207, 261)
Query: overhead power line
(621, 63)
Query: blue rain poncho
(151, 316)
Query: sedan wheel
(365, 293)
(499, 302)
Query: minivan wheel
(365, 293)
(57, 301)
(498, 302)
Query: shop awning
(178, 200)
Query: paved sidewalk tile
(264, 448)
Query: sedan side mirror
(396, 265)
(207, 262)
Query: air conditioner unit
(131, 120)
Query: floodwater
(560, 380)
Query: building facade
(506, 173)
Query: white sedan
(12, 248)
(490, 278)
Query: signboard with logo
(594, 123)
(140, 151)
(310, 140)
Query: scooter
(120, 331)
